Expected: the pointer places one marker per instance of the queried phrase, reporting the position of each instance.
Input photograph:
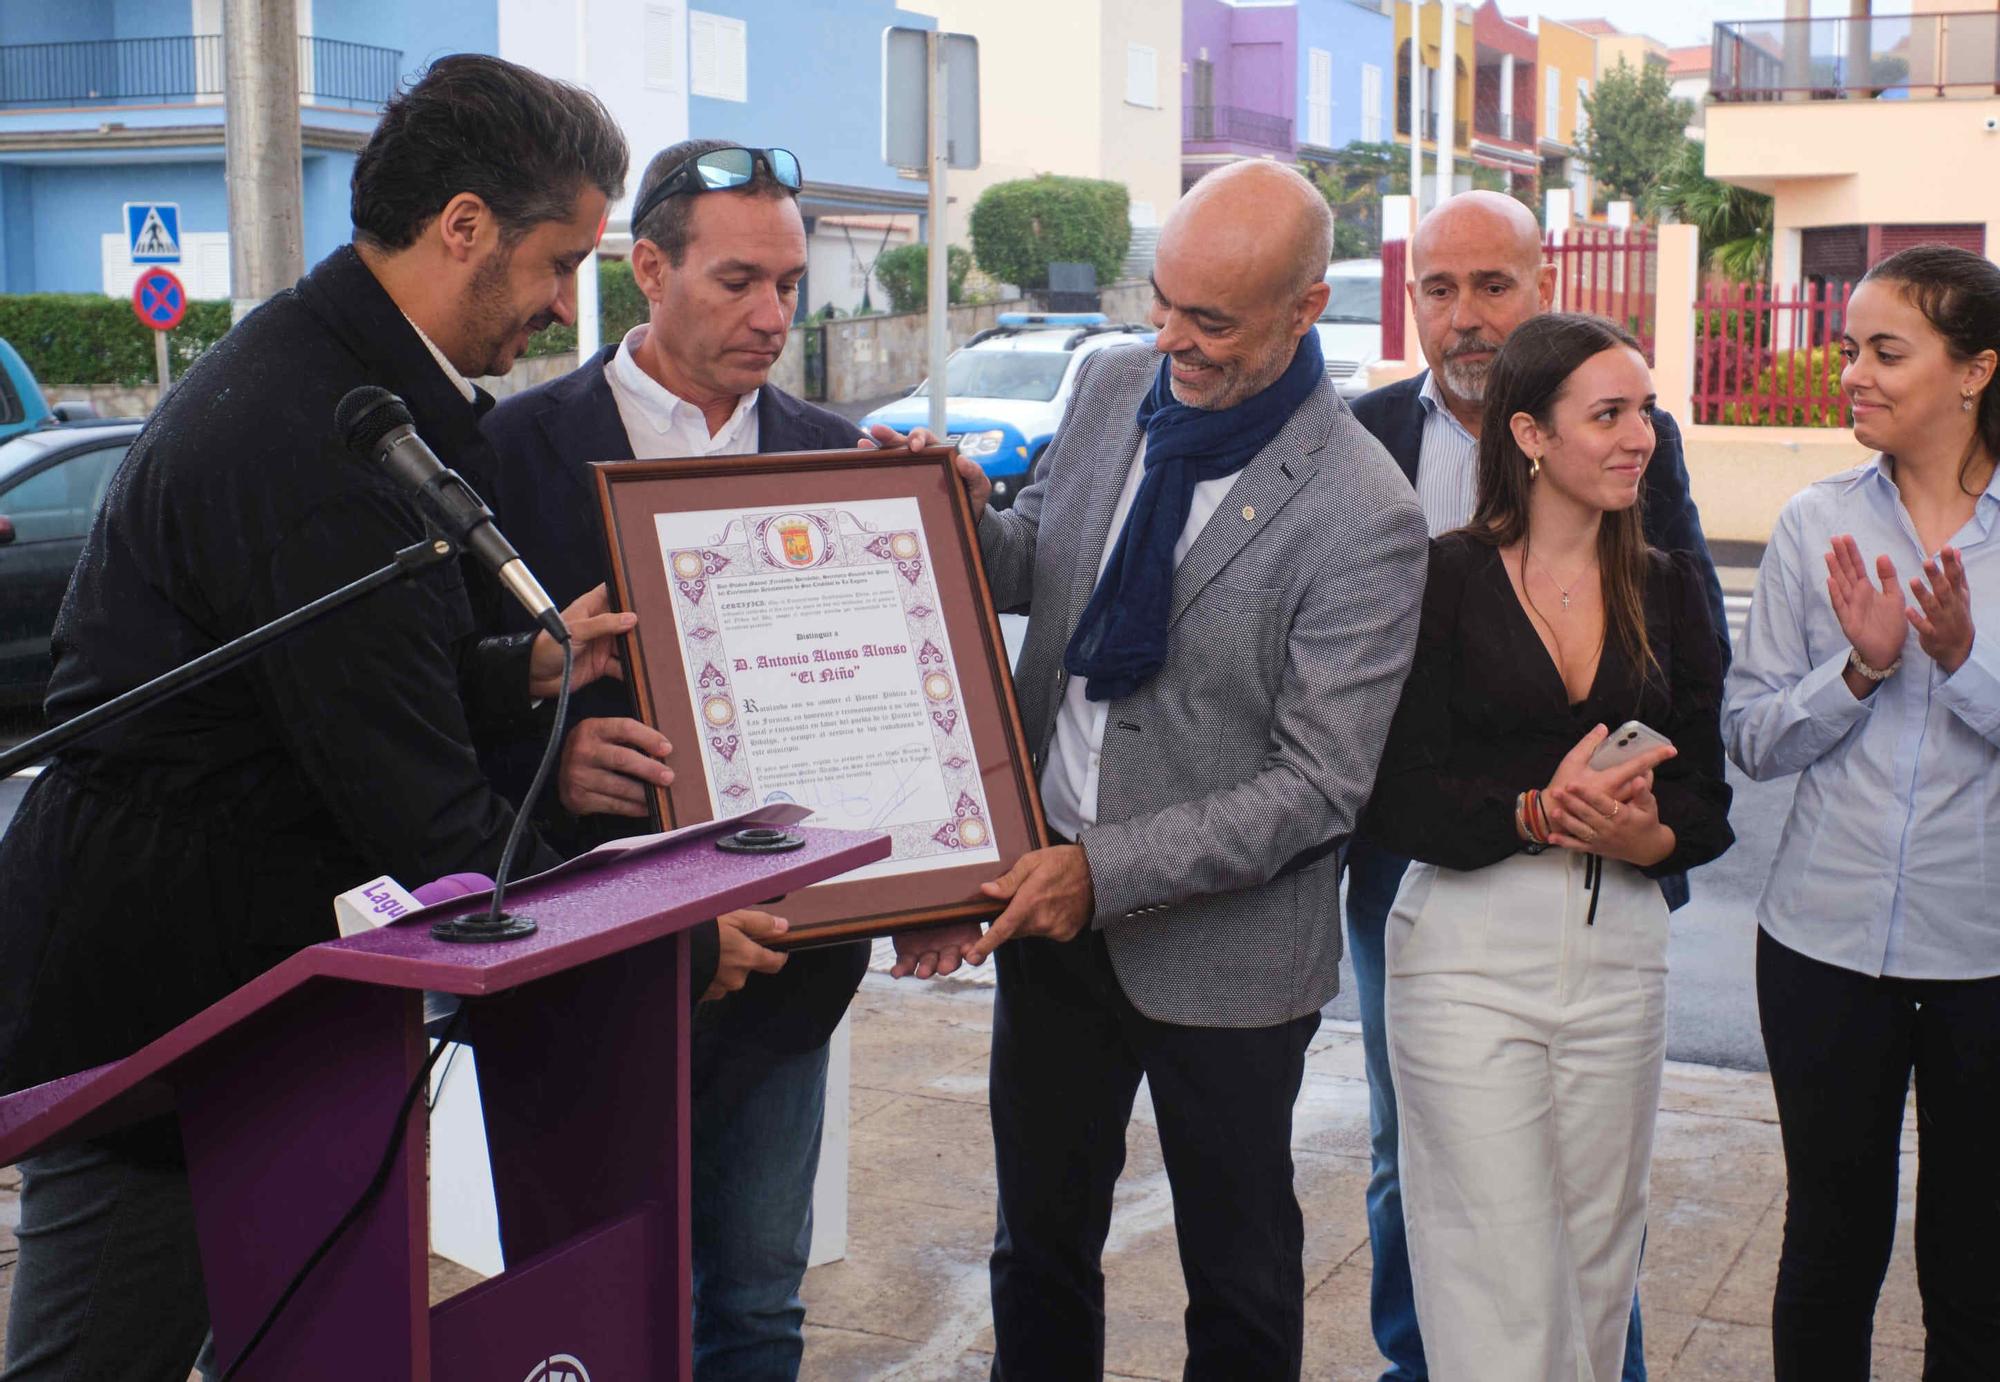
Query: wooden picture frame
(817, 514)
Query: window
(1371, 102)
(1142, 76)
(1552, 100)
(659, 35)
(57, 503)
(1027, 375)
(1319, 97)
(718, 57)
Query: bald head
(1239, 277)
(1273, 219)
(1501, 228)
(1478, 273)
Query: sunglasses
(719, 170)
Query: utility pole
(939, 294)
(1447, 143)
(587, 331)
(260, 81)
(1416, 110)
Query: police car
(1006, 388)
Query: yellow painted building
(1429, 54)
(1568, 58)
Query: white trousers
(1527, 1045)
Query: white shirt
(663, 426)
(458, 381)
(1069, 779)
(1447, 464)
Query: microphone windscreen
(367, 414)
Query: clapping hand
(1871, 617)
(1611, 811)
(1944, 626)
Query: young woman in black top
(1527, 950)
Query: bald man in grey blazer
(1223, 572)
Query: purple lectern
(287, 1091)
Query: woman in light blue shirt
(1871, 667)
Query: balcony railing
(1460, 133)
(1232, 124)
(132, 71)
(1893, 57)
(1515, 126)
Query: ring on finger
(1616, 807)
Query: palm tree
(1734, 222)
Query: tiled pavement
(910, 1301)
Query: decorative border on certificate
(816, 654)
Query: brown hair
(1529, 375)
(668, 225)
(1959, 294)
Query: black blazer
(544, 496)
(1395, 414)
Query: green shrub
(87, 338)
(1020, 228)
(620, 307)
(1797, 375)
(904, 273)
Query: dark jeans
(107, 1287)
(1373, 876)
(1842, 1047)
(755, 1139)
(1069, 1051)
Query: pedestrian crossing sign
(154, 229)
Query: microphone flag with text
(378, 424)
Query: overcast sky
(1680, 22)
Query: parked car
(1350, 326)
(1006, 388)
(51, 481)
(22, 408)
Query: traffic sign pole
(159, 302)
(939, 296)
(160, 362)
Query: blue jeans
(1373, 876)
(755, 1140)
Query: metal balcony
(1234, 125)
(185, 68)
(1891, 57)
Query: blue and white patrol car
(1006, 388)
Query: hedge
(904, 273)
(1791, 375)
(87, 338)
(1019, 228)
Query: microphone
(378, 424)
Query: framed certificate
(815, 628)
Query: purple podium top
(584, 911)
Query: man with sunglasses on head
(719, 250)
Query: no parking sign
(159, 300)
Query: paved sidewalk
(910, 1300)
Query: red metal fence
(1608, 273)
(1765, 360)
(1395, 267)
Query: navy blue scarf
(1121, 640)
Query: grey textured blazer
(1228, 780)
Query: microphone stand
(410, 560)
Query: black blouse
(1485, 715)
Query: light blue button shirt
(1890, 861)
(1447, 464)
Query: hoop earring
(1534, 467)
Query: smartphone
(1626, 743)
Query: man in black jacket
(719, 251)
(1479, 273)
(165, 862)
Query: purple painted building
(1240, 91)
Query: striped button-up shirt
(1447, 464)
